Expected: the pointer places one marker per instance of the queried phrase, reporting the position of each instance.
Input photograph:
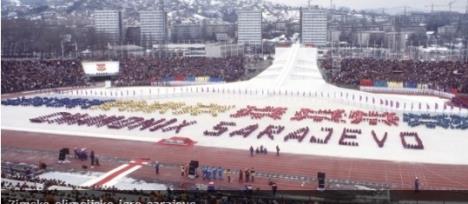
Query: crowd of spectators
(144, 70)
(439, 75)
(25, 177)
(33, 183)
(169, 196)
(25, 186)
(24, 75)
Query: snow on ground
(294, 70)
(441, 145)
(130, 184)
(80, 178)
(75, 179)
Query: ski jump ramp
(296, 68)
(293, 68)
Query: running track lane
(399, 174)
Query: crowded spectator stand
(145, 71)
(24, 75)
(445, 76)
(33, 74)
(445, 79)
(24, 177)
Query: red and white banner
(110, 178)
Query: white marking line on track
(402, 183)
(444, 177)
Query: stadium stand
(446, 76)
(25, 75)
(144, 71)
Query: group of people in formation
(262, 150)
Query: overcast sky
(459, 5)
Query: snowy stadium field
(293, 81)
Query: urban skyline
(234, 101)
(416, 5)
